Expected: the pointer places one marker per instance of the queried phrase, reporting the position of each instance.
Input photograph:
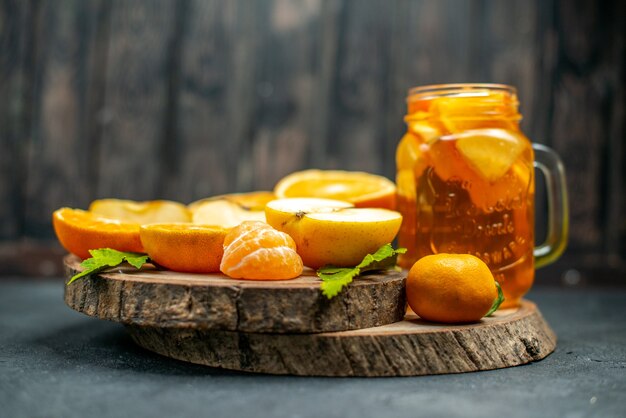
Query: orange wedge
(141, 212)
(79, 231)
(359, 188)
(184, 247)
(490, 152)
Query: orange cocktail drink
(466, 181)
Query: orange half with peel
(79, 231)
(359, 188)
(184, 247)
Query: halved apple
(230, 210)
(331, 231)
(152, 211)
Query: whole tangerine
(451, 288)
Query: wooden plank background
(185, 99)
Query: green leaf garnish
(336, 278)
(497, 302)
(104, 258)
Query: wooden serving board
(167, 299)
(408, 348)
(288, 327)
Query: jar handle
(553, 170)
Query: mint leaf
(497, 302)
(385, 257)
(334, 279)
(137, 260)
(103, 258)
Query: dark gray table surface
(55, 362)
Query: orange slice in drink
(408, 152)
(490, 152)
(359, 188)
(185, 247)
(79, 231)
(475, 110)
(141, 212)
(256, 251)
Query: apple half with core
(230, 210)
(332, 231)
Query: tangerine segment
(79, 231)
(256, 251)
(450, 288)
(184, 247)
(361, 189)
(141, 212)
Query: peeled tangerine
(256, 251)
(333, 232)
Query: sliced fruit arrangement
(152, 211)
(359, 188)
(194, 238)
(230, 210)
(184, 247)
(330, 231)
(254, 250)
(80, 231)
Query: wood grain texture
(183, 100)
(408, 348)
(64, 87)
(19, 23)
(136, 99)
(197, 301)
(587, 91)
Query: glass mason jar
(466, 183)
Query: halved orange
(184, 247)
(359, 188)
(152, 211)
(79, 231)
